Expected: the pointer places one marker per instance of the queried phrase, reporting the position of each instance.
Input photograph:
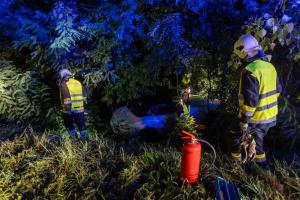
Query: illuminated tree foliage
(22, 94)
(122, 50)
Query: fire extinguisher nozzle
(188, 134)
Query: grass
(47, 166)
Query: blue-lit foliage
(126, 47)
(193, 5)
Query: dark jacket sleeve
(65, 97)
(278, 86)
(84, 92)
(250, 92)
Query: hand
(243, 126)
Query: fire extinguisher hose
(213, 149)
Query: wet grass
(47, 166)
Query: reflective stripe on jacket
(71, 93)
(258, 93)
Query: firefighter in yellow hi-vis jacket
(258, 94)
(72, 100)
(184, 107)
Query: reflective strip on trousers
(260, 157)
(236, 155)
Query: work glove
(243, 127)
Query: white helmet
(63, 73)
(246, 47)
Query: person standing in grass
(258, 96)
(72, 97)
(184, 107)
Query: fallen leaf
(270, 22)
(262, 33)
(289, 27)
(285, 18)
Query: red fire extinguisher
(191, 157)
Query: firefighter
(72, 97)
(259, 89)
(184, 107)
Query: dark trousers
(258, 132)
(78, 119)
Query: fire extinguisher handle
(188, 135)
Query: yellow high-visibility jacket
(72, 96)
(258, 93)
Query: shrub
(23, 95)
